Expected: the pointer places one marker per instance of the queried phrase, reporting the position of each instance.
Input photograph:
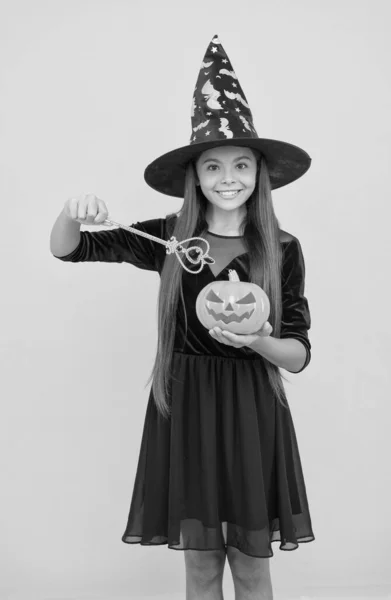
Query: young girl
(219, 472)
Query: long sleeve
(119, 245)
(296, 318)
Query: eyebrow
(216, 160)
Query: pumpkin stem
(233, 276)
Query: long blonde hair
(261, 232)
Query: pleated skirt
(225, 470)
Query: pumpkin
(237, 306)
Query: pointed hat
(221, 116)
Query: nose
(228, 178)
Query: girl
(219, 472)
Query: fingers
(103, 212)
(266, 329)
(87, 208)
(225, 337)
(217, 334)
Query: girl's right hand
(86, 209)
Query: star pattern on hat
(224, 114)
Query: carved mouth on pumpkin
(230, 318)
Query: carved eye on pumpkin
(213, 297)
(247, 299)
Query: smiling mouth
(229, 194)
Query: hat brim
(285, 162)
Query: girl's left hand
(239, 340)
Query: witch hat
(221, 116)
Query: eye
(213, 297)
(211, 166)
(247, 299)
(243, 165)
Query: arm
(290, 354)
(292, 351)
(69, 244)
(65, 236)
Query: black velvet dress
(226, 469)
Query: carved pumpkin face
(234, 305)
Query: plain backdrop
(90, 93)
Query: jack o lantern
(234, 305)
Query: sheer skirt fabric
(225, 470)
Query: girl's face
(227, 175)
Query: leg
(204, 574)
(251, 576)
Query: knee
(248, 570)
(205, 566)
